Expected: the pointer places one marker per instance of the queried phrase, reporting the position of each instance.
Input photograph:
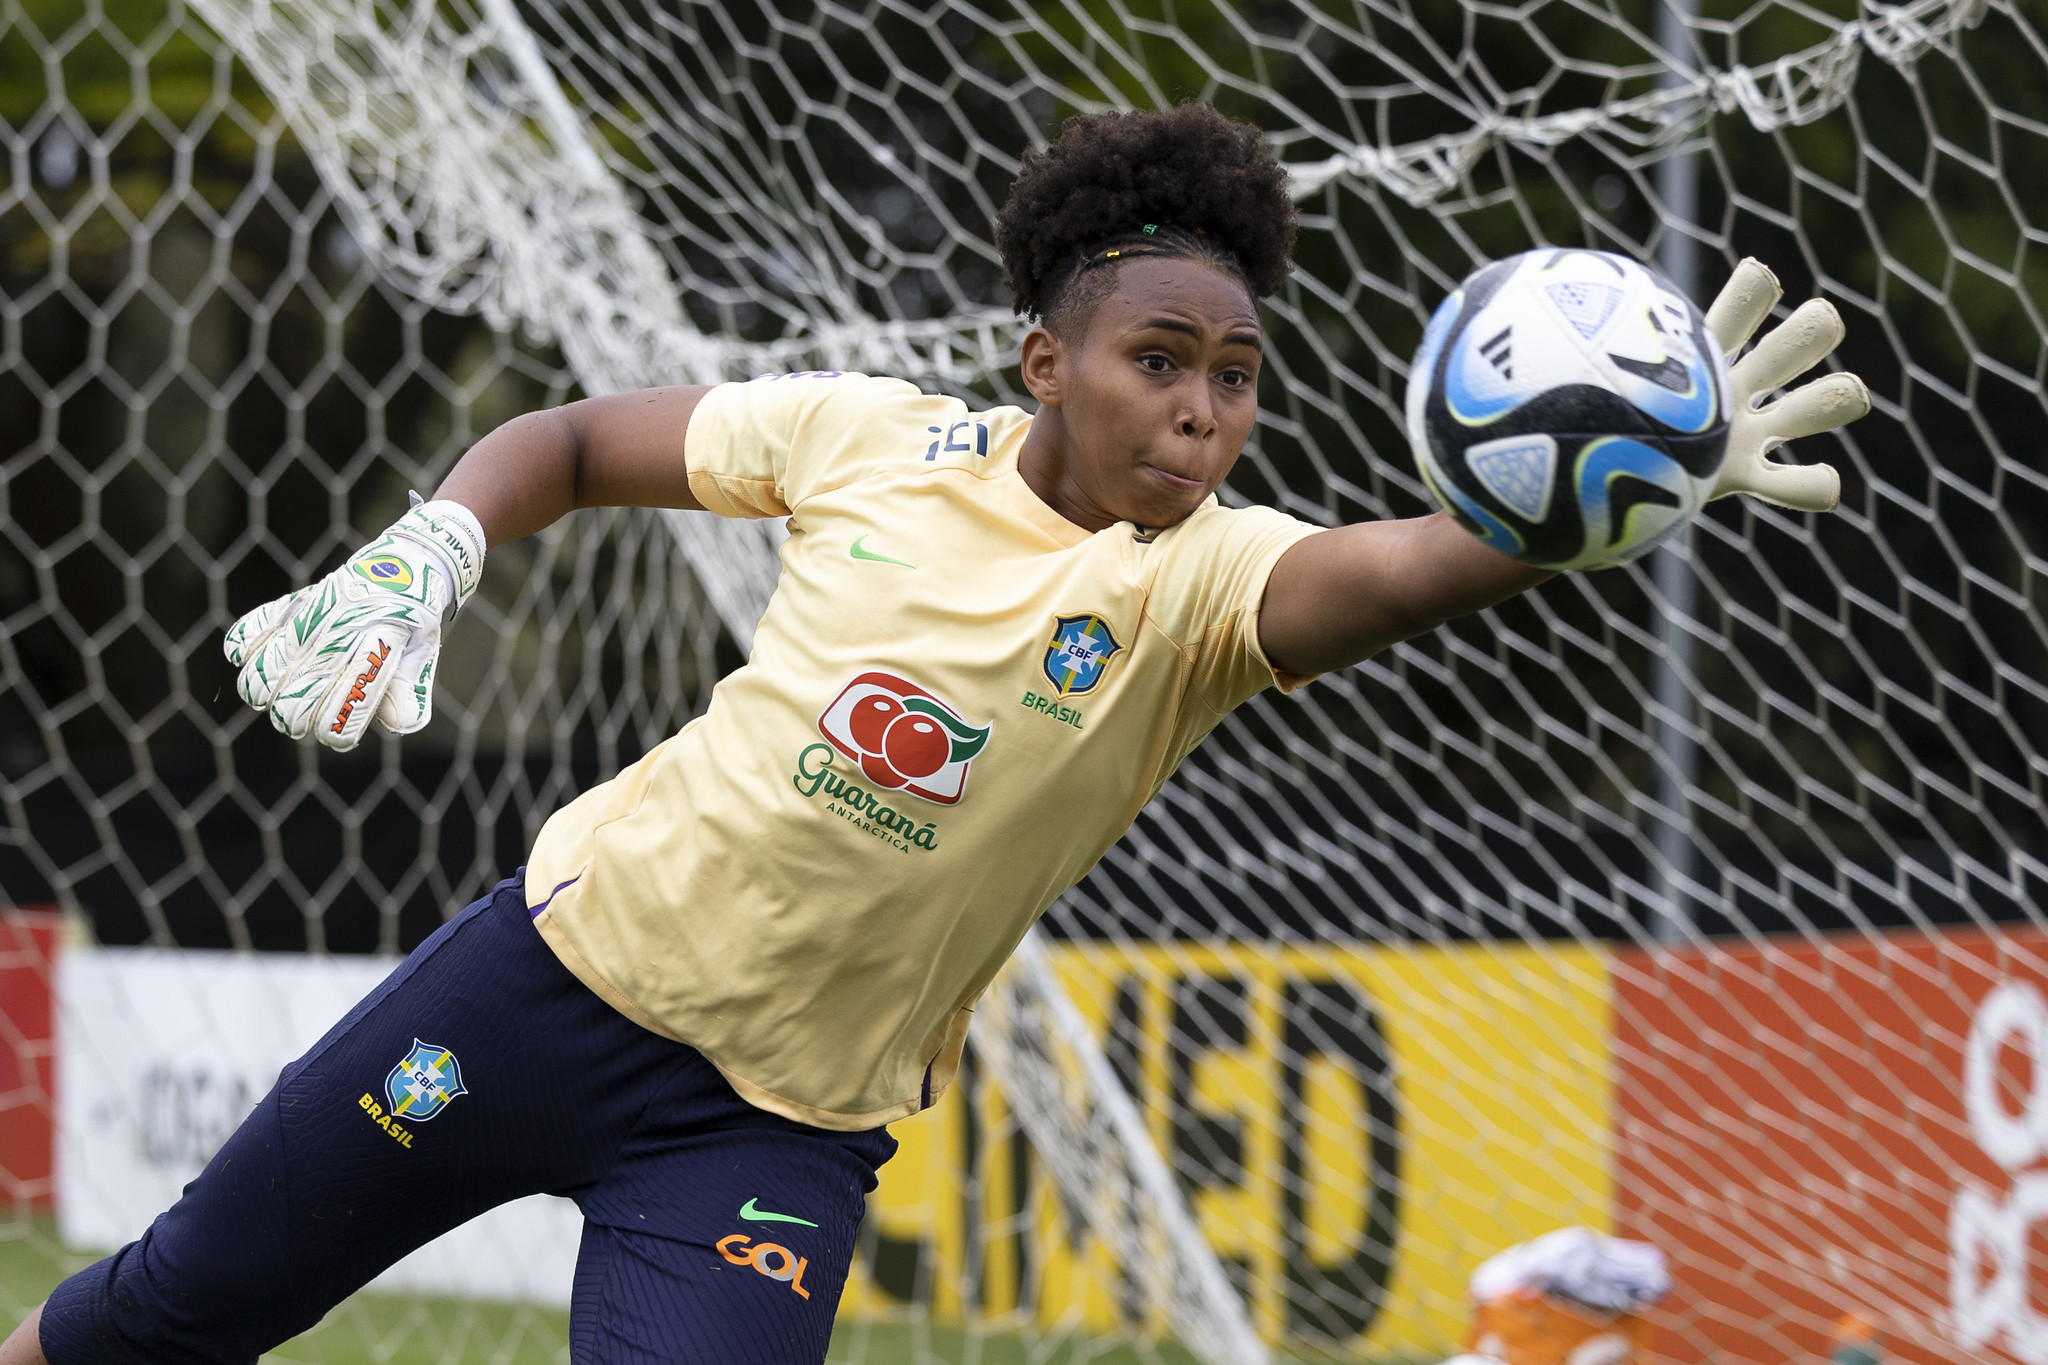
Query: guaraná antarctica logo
(903, 739)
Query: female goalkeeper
(723, 971)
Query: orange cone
(1535, 1329)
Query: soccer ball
(1569, 408)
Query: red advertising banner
(28, 945)
(1856, 1126)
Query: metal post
(1671, 669)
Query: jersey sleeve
(759, 448)
(1207, 597)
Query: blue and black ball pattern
(1609, 453)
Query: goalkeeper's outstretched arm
(621, 450)
(364, 641)
(1344, 595)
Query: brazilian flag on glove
(363, 640)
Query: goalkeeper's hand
(1787, 351)
(363, 640)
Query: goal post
(1661, 900)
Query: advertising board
(1809, 1129)
(1357, 1128)
(1849, 1126)
(28, 954)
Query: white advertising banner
(161, 1053)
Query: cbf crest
(422, 1085)
(1078, 653)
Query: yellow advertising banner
(1356, 1129)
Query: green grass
(375, 1328)
(31, 1265)
(378, 1329)
(389, 1330)
(865, 1343)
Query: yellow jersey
(957, 702)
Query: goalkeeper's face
(1145, 410)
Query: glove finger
(1801, 487)
(293, 646)
(248, 633)
(297, 699)
(1827, 403)
(409, 699)
(1743, 304)
(273, 658)
(328, 670)
(358, 688)
(1790, 349)
(265, 673)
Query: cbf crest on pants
(422, 1085)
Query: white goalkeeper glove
(363, 640)
(1787, 351)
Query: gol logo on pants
(772, 1259)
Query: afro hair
(1184, 182)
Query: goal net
(1695, 900)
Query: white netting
(265, 265)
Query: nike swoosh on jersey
(858, 553)
(757, 1215)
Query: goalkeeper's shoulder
(848, 407)
(814, 432)
(1211, 569)
(788, 413)
(839, 396)
(1218, 542)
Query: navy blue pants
(478, 1072)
